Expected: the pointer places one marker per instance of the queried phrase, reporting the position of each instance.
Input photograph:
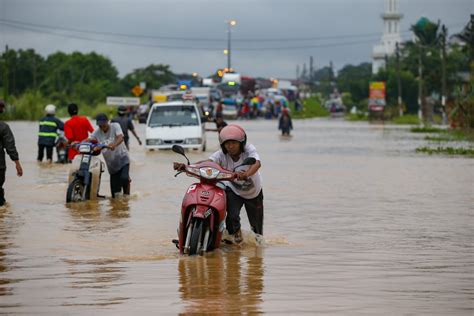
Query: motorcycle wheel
(75, 191)
(196, 237)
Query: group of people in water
(246, 189)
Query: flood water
(355, 223)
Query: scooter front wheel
(196, 237)
(76, 191)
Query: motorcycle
(62, 149)
(203, 210)
(85, 173)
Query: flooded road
(355, 223)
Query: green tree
(154, 76)
(355, 80)
(25, 70)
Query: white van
(175, 122)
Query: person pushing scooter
(115, 156)
(247, 188)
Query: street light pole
(228, 45)
(229, 28)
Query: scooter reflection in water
(222, 282)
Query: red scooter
(203, 210)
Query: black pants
(253, 207)
(49, 152)
(120, 181)
(2, 181)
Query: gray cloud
(261, 20)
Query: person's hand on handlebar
(179, 166)
(241, 175)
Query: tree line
(30, 81)
(447, 69)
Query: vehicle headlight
(85, 149)
(208, 172)
(192, 141)
(154, 141)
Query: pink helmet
(232, 132)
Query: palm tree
(427, 34)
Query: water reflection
(5, 283)
(222, 282)
(101, 215)
(95, 276)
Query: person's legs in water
(125, 179)
(232, 221)
(254, 209)
(40, 152)
(2, 181)
(120, 181)
(49, 154)
(115, 186)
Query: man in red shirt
(76, 129)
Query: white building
(391, 35)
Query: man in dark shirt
(220, 123)
(7, 143)
(126, 125)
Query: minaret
(391, 35)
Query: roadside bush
(29, 106)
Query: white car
(177, 122)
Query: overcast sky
(270, 39)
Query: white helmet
(50, 109)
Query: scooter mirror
(249, 161)
(178, 149)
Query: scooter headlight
(224, 176)
(84, 149)
(208, 172)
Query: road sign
(123, 101)
(137, 91)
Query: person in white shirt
(247, 188)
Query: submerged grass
(446, 150)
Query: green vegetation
(29, 82)
(427, 129)
(444, 135)
(408, 119)
(446, 150)
(451, 135)
(357, 117)
(311, 108)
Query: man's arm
(9, 145)
(118, 141)
(250, 172)
(132, 129)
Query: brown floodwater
(355, 223)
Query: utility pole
(399, 83)
(5, 75)
(444, 33)
(311, 69)
(420, 85)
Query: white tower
(391, 35)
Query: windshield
(176, 115)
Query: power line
(80, 37)
(291, 39)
